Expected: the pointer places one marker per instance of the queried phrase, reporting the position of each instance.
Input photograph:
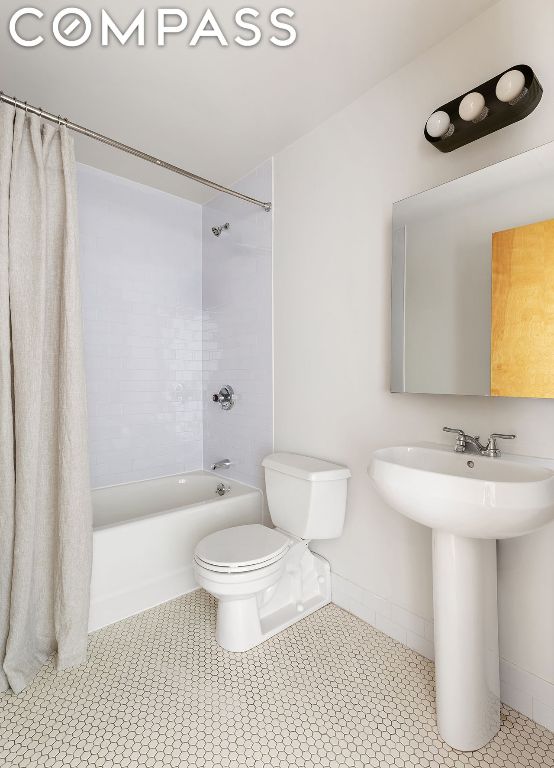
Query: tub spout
(223, 464)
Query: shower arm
(129, 150)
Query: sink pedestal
(468, 503)
(466, 639)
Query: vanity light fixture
(501, 101)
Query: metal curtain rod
(130, 150)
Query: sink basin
(468, 501)
(464, 493)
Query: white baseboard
(519, 689)
(107, 609)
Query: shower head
(218, 230)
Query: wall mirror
(473, 283)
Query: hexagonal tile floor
(330, 691)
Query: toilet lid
(242, 546)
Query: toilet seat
(241, 549)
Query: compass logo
(72, 27)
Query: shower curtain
(45, 508)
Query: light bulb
(438, 124)
(510, 86)
(472, 107)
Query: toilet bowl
(265, 578)
(238, 566)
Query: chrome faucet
(223, 464)
(466, 442)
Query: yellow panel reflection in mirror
(522, 330)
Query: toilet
(265, 579)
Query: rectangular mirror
(473, 283)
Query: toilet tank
(306, 496)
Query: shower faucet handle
(225, 397)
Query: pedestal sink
(469, 501)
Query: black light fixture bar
(496, 114)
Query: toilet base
(303, 587)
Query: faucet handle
(225, 397)
(492, 449)
(460, 440)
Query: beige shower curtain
(45, 512)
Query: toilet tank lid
(305, 467)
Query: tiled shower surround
(237, 307)
(141, 275)
(147, 264)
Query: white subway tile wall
(171, 313)
(141, 276)
(237, 329)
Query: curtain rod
(130, 150)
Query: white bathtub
(145, 534)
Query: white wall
(334, 191)
(141, 276)
(237, 312)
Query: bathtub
(145, 534)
